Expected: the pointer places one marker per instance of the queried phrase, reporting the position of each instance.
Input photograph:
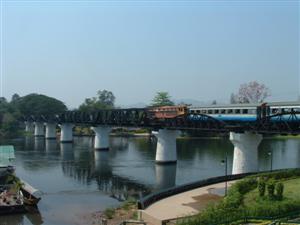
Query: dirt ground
(120, 215)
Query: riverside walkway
(185, 204)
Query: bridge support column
(245, 156)
(101, 137)
(165, 175)
(29, 127)
(39, 129)
(166, 146)
(50, 130)
(66, 133)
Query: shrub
(109, 213)
(271, 188)
(246, 185)
(261, 187)
(279, 190)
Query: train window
(296, 109)
(237, 111)
(192, 111)
(223, 111)
(252, 111)
(217, 111)
(198, 111)
(274, 111)
(245, 111)
(203, 111)
(229, 111)
(209, 111)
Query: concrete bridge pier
(165, 175)
(50, 130)
(66, 133)
(166, 146)
(39, 129)
(245, 156)
(101, 137)
(29, 127)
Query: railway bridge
(245, 135)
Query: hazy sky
(194, 49)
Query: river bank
(112, 216)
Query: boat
(15, 194)
(31, 195)
(7, 155)
(11, 202)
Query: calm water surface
(76, 180)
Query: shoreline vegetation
(256, 199)
(263, 197)
(115, 215)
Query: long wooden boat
(12, 209)
(31, 195)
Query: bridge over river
(245, 135)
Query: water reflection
(66, 151)
(39, 143)
(165, 175)
(95, 166)
(34, 218)
(51, 145)
(283, 154)
(29, 142)
(71, 174)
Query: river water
(76, 180)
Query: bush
(279, 190)
(282, 174)
(231, 208)
(261, 188)
(109, 213)
(271, 188)
(246, 185)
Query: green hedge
(231, 208)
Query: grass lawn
(264, 206)
(291, 192)
(243, 203)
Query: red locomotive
(167, 112)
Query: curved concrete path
(184, 204)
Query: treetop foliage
(162, 99)
(104, 100)
(252, 92)
(32, 104)
(37, 104)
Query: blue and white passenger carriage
(249, 112)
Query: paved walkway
(183, 204)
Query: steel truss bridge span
(282, 123)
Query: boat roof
(7, 153)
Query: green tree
(162, 99)
(279, 190)
(261, 188)
(15, 97)
(104, 100)
(37, 104)
(271, 189)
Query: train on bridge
(229, 113)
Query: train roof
(246, 105)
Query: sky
(193, 49)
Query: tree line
(11, 112)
